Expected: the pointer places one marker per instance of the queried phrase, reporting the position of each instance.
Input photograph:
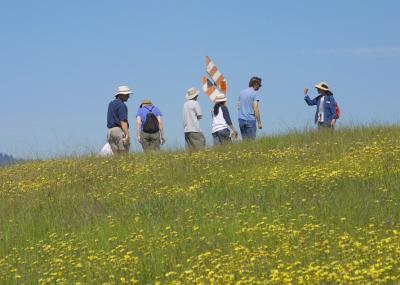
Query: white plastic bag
(106, 150)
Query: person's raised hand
(306, 91)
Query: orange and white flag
(217, 84)
(209, 88)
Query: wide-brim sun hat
(192, 93)
(147, 102)
(323, 86)
(220, 98)
(123, 90)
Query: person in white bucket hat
(117, 121)
(192, 113)
(221, 122)
(326, 114)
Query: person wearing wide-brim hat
(192, 113)
(221, 122)
(149, 126)
(117, 121)
(325, 116)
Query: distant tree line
(6, 159)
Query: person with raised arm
(326, 113)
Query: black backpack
(151, 124)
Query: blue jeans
(248, 129)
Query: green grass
(315, 207)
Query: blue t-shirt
(142, 113)
(246, 99)
(117, 112)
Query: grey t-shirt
(191, 115)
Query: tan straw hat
(323, 86)
(147, 102)
(192, 93)
(123, 90)
(220, 98)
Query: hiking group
(150, 128)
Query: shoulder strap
(150, 110)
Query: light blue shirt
(142, 113)
(246, 100)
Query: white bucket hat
(192, 93)
(220, 98)
(123, 90)
(323, 86)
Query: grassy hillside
(301, 208)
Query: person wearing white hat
(325, 116)
(221, 122)
(117, 121)
(192, 113)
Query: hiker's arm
(227, 117)
(234, 131)
(161, 127)
(198, 111)
(308, 99)
(125, 129)
(139, 129)
(257, 114)
(332, 108)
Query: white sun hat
(123, 90)
(192, 93)
(220, 98)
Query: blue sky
(61, 62)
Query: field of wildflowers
(301, 208)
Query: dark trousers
(222, 137)
(322, 126)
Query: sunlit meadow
(306, 208)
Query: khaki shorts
(151, 142)
(115, 138)
(195, 141)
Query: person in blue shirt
(149, 126)
(248, 106)
(325, 116)
(117, 121)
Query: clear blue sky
(61, 62)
